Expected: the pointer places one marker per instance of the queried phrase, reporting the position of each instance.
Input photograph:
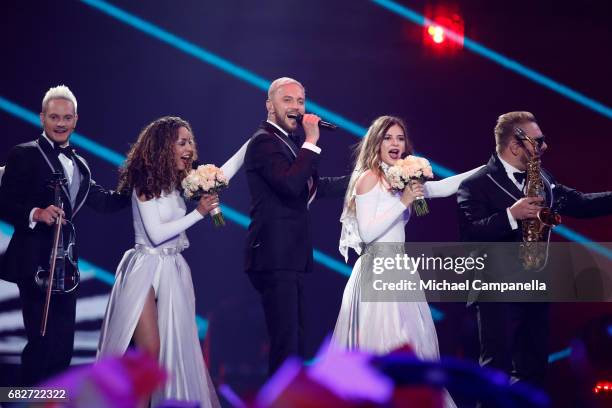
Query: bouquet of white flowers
(206, 179)
(406, 171)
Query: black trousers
(514, 339)
(282, 299)
(44, 357)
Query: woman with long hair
(374, 213)
(152, 301)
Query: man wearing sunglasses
(492, 207)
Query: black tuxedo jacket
(484, 197)
(277, 174)
(25, 185)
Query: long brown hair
(367, 152)
(150, 168)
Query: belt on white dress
(381, 248)
(159, 251)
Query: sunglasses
(520, 135)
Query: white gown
(156, 261)
(380, 327)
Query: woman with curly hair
(152, 301)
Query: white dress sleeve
(372, 225)
(447, 186)
(231, 167)
(158, 231)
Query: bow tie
(294, 138)
(66, 151)
(519, 176)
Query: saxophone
(536, 231)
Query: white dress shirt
(510, 170)
(68, 166)
(306, 145)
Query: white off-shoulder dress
(383, 326)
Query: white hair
(59, 92)
(277, 83)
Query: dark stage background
(356, 59)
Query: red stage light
(603, 387)
(436, 32)
(444, 28)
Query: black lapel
(498, 172)
(85, 181)
(548, 187)
(315, 182)
(290, 148)
(54, 163)
(299, 139)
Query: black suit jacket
(484, 197)
(25, 185)
(277, 174)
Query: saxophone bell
(549, 217)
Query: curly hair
(150, 167)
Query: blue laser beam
(581, 239)
(107, 277)
(259, 82)
(559, 355)
(262, 83)
(104, 276)
(76, 138)
(117, 159)
(502, 60)
(208, 57)
(228, 67)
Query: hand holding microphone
(322, 124)
(311, 124)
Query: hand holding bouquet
(410, 170)
(206, 179)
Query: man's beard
(282, 122)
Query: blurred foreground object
(111, 382)
(339, 378)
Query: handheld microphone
(322, 124)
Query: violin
(62, 270)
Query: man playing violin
(28, 203)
